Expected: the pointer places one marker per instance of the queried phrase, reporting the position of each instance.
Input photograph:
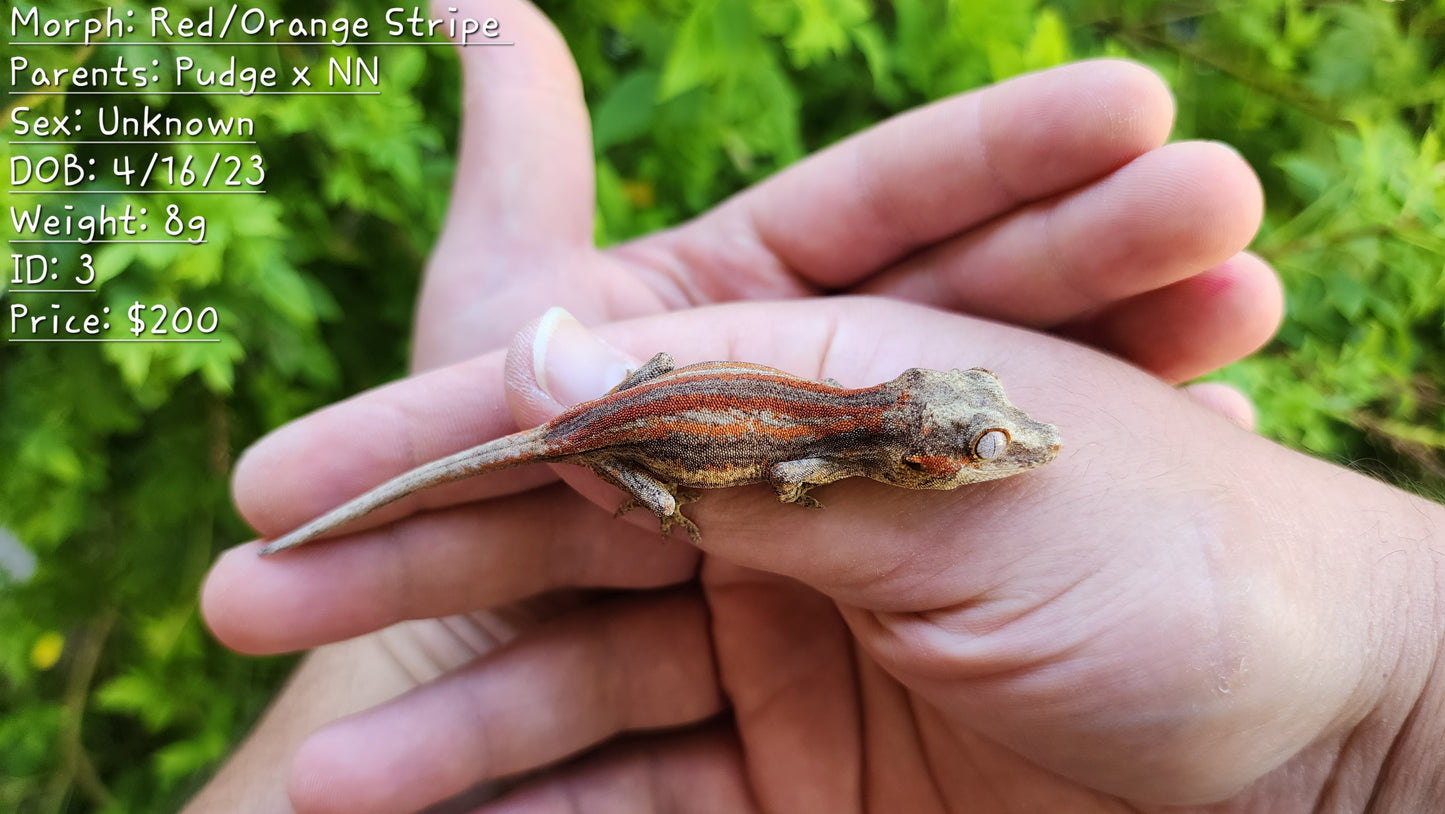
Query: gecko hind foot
(667, 521)
(677, 518)
(680, 497)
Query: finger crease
(612, 672)
(986, 150)
(1065, 274)
(879, 208)
(396, 543)
(661, 798)
(571, 795)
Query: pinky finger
(1193, 326)
(698, 772)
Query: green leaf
(140, 696)
(1050, 43)
(627, 111)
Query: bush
(116, 456)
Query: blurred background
(114, 458)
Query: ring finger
(453, 560)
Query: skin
(1216, 639)
(880, 660)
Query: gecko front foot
(797, 493)
(808, 502)
(793, 479)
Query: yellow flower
(47, 650)
(640, 194)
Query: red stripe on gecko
(938, 465)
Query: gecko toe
(677, 518)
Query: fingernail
(571, 363)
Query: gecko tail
(502, 453)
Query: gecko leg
(792, 480)
(662, 499)
(682, 495)
(651, 369)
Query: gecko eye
(990, 444)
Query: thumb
(554, 362)
(522, 200)
(523, 108)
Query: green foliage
(116, 456)
(1337, 109)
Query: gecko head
(963, 429)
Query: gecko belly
(735, 459)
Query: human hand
(1047, 201)
(1172, 613)
(950, 206)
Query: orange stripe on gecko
(664, 426)
(670, 408)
